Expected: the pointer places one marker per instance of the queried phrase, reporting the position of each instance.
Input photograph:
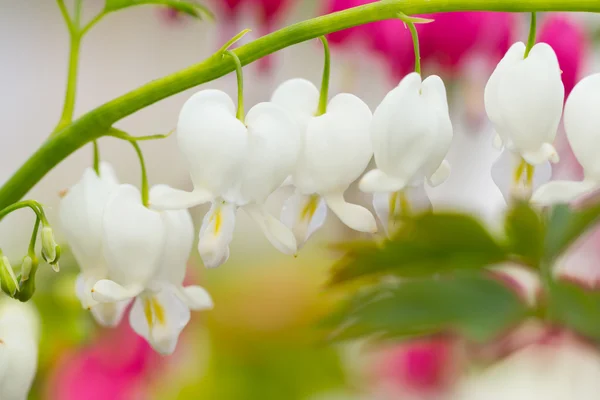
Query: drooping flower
(581, 121)
(524, 100)
(336, 149)
(146, 253)
(81, 212)
(411, 134)
(233, 164)
(19, 330)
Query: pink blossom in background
(230, 7)
(452, 39)
(269, 12)
(344, 37)
(420, 369)
(113, 367)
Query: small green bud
(26, 268)
(49, 246)
(28, 282)
(8, 280)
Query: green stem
(31, 250)
(240, 114)
(97, 123)
(69, 104)
(66, 17)
(145, 186)
(92, 23)
(532, 31)
(34, 205)
(415, 39)
(77, 13)
(96, 158)
(324, 97)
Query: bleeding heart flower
(336, 149)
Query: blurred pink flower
(420, 369)
(570, 43)
(230, 7)
(392, 40)
(114, 367)
(454, 38)
(268, 13)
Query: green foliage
(471, 304)
(425, 245)
(525, 233)
(185, 6)
(566, 225)
(575, 306)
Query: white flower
(233, 164)
(581, 126)
(81, 212)
(545, 371)
(19, 330)
(147, 252)
(411, 134)
(524, 100)
(505, 170)
(160, 313)
(336, 149)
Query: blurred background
(260, 341)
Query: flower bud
(28, 271)
(8, 280)
(50, 250)
(26, 268)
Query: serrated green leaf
(474, 305)
(425, 245)
(525, 232)
(565, 226)
(185, 6)
(576, 307)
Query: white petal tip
(378, 181)
(167, 198)
(440, 175)
(107, 291)
(498, 143)
(546, 152)
(354, 216)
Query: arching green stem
(31, 249)
(97, 122)
(34, 205)
(532, 32)
(324, 97)
(145, 186)
(240, 114)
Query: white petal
(274, 141)
(160, 318)
(212, 140)
(216, 234)
(530, 98)
(299, 97)
(83, 290)
(441, 174)
(196, 298)
(503, 173)
(275, 231)
(133, 238)
(175, 199)
(107, 291)
(303, 215)
(354, 216)
(546, 152)
(80, 213)
(493, 107)
(179, 240)
(108, 175)
(110, 314)
(581, 124)
(561, 192)
(338, 144)
(378, 181)
(416, 201)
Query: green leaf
(426, 245)
(525, 233)
(185, 6)
(576, 307)
(474, 305)
(565, 226)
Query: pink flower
(570, 43)
(269, 11)
(453, 38)
(114, 367)
(343, 37)
(230, 7)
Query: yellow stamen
(393, 202)
(148, 312)
(310, 208)
(159, 311)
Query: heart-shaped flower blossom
(336, 149)
(233, 164)
(524, 100)
(581, 126)
(411, 134)
(81, 212)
